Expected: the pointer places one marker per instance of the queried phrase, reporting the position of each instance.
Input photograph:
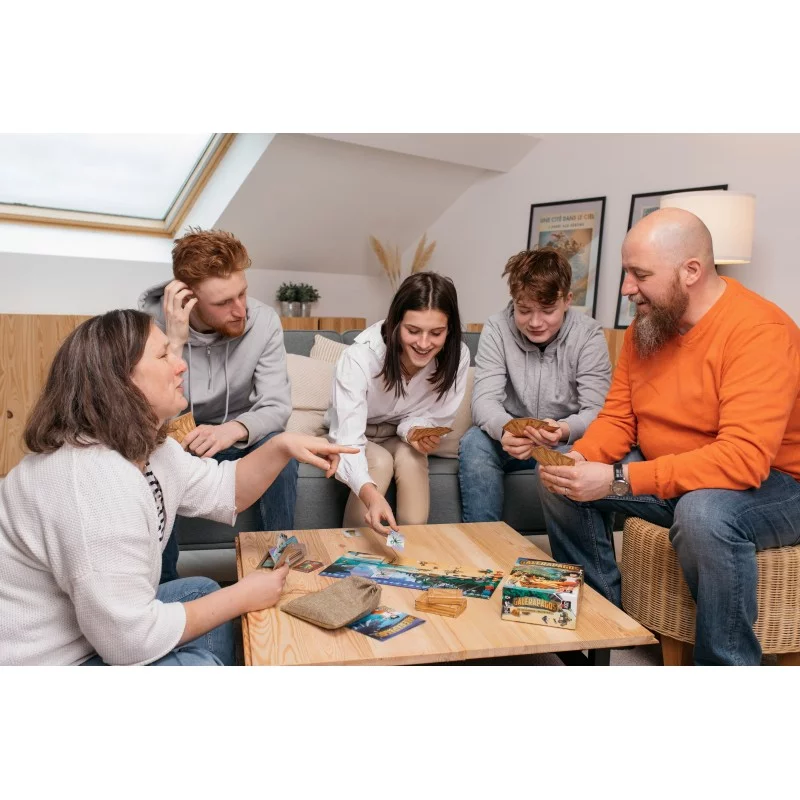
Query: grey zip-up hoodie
(568, 382)
(242, 378)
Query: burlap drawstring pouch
(337, 605)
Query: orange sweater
(714, 409)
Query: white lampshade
(729, 216)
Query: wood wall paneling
(28, 343)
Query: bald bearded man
(700, 433)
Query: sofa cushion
(462, 423)
(325, 349)
(311, 393)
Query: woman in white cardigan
(85, 517)
(408, 371)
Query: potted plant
(307, 295)
(287, 296)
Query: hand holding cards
(180, 426)
(551, 458)
(516, 427)
(420, 433)
(286, 551)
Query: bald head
(672, 235)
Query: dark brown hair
(89, 396)
(420, 292)
(207, 254)
(543, 275)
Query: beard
(230, 330)
(652, 330)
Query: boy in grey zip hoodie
(236, 383)
(536, 358)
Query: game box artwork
(542, 593)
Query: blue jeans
(482, 464)
(716, 534)
(215, 648)
(275, 507)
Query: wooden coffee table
(273, 637)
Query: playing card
(180, 426)
(396, 540)
(551, 458)
(308, 566)
(384, 623)
(420, 433)
(282, 543)
(516, 427)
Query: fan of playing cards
(180, 426)
(420, 433)
(516, 427)
(551, 458)
(287, 550)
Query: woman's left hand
(427, 444)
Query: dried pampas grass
(391, 261)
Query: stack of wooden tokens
(447, 602)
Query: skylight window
(130, 181)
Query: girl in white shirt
(407, 371)
(85, 517)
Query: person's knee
(407, 457)
(703, 522)
(475, 445)
(380, 461)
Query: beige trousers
(387, 457)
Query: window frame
(181, 205)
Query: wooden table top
(274, 637)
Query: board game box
(542, 593)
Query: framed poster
(575, 228)
(641, 206)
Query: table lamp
(729, 216)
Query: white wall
(489, 222)
(36, 284)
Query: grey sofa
(321, 502)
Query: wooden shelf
(338, 324)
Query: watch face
(620, 488)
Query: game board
(415, 574)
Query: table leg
(675, 653)
(600, 657)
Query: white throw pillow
(326, 349)
(311, 382)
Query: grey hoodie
(513, 378)
(242, 378)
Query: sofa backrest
(301, 342)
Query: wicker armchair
(655, 593)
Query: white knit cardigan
(80, 557)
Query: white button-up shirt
(359, 397)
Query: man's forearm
(257, 470)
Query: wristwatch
(619, 486)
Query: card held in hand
(516, 427)
(180, 426)
(420, 433)
(551, 458)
